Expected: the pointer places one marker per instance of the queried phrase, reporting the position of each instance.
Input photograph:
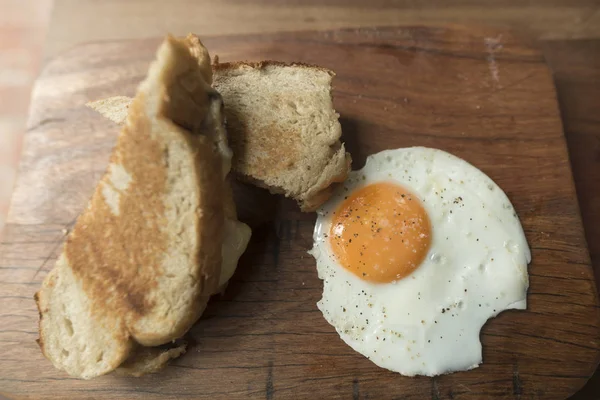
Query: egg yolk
(381, 233)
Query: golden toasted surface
(145, 254)
(118, 257)
(284, 132)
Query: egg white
(428, 323)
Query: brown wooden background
(569, 31)
(426, 86)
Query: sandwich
(283, 129)
(160, 234)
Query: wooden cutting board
(481, 94)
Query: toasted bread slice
(284, 132)
(144, 256)
(282, 127)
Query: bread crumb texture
(284, 131)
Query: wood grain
(77, 21)
(576, 67)
(22, 29)
(265, 338)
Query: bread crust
(219, 66)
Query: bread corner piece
(283, 129)
(143, 258)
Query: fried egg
(417, 251)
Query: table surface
(568, 30)
(23, 25)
